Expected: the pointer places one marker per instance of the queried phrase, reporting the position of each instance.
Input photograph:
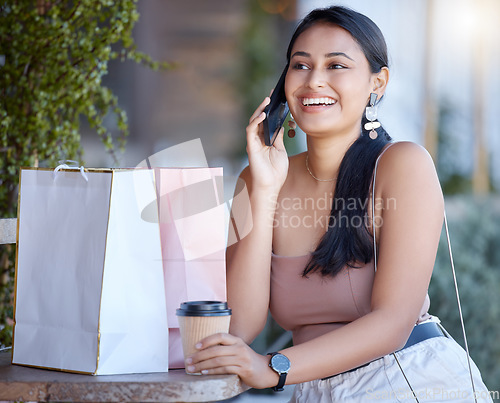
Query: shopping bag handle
(70, 164)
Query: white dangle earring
(371, 115)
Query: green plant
(53, 55)
(475, 235)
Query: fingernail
(190, 368)
(198, 346)
(189, 360)
(204, 371)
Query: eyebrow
(328, 55)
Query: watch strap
(281, 383)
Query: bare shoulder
(408, 167)
(406, 158)
(405, 153)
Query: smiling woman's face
(328, 83)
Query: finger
(255, 122)
(211, 353)
(278, 142)
(260, 109)
(215, 340)
(253, 132)
(230, 369)
(214, 363)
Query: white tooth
(317, 101)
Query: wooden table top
(31, 384)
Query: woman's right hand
(268, 164)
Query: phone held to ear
(276, 111)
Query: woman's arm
(409, 188)
(408, 239)
(249, 259)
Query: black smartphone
(276, 111)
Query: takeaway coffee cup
(199, 319)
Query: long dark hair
(348, 241)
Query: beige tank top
(314, 305)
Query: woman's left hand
(223, 353)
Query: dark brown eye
(299, 66)
(336, 66)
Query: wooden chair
(8, 230)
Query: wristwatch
(281, 365)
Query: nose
(316, 78)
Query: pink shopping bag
(192, 231)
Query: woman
(349, 304)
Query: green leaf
(52, 76)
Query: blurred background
(443, 94)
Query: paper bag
(89, 274)
(193, 235)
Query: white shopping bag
(89, 275)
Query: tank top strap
(374, 176)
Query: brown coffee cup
(199, 319)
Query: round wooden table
(31, 384)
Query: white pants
(436, 369)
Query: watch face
(280, 363)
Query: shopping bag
(193, 235)
(89, 294)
